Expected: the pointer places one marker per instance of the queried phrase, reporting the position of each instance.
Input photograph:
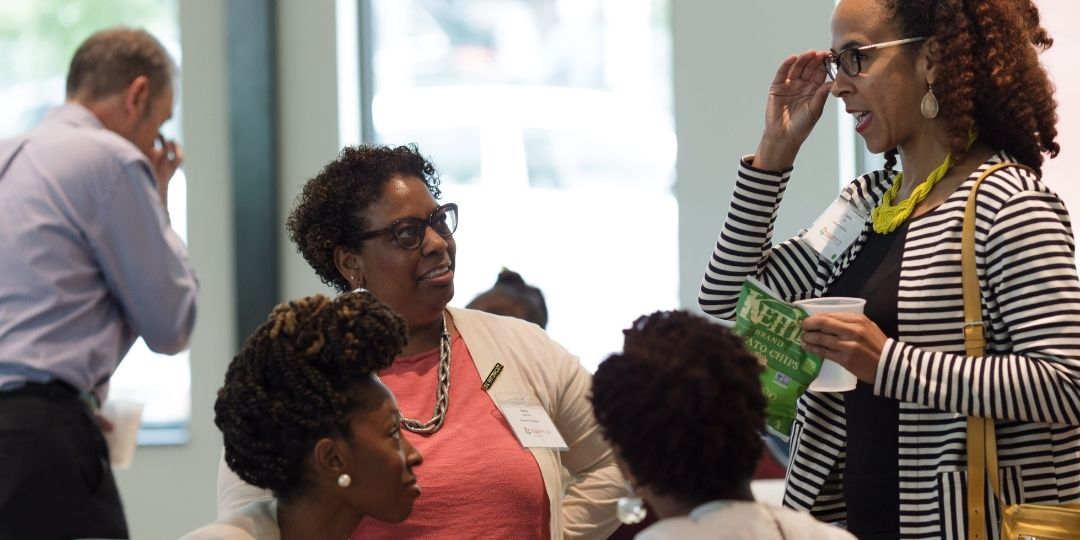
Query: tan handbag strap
(976, 467)
(981, 436)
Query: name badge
(837, 228)
(531, 424)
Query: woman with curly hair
(370, 220)
(952, 88)
(683, 409)
(304, 416)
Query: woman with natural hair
(683, 409)
(466, 380)
(512, 297)
(304, 416)
(952, 88)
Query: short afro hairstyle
(682, 405)
(987, 73)
(333, 207)
(298, 379)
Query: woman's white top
(738, 520)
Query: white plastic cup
(125, 416)
(833, 377)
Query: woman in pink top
(370, 220)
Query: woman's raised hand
(796, 100)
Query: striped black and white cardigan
(1029, 381)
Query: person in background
(512, 297)
(952, 88)
(304, 415)
(683, 409)
(370, 220)
(88, 263)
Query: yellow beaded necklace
(887, 217)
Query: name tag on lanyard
(835, 230)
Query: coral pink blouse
(476, 480)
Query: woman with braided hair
(948, 90)
(469, 384)
(304, 415)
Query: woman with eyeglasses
(466, 381)
(946, 89)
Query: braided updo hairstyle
(299, 378)
(333, 207)
(987, 73)
(683, 406)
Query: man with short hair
(88, 263)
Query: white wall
(726, 53)
(724, 58)
(170, 489)
(1060, 17)
(308, 115)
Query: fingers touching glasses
(850, 60)
(805, 67)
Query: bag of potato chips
(770, 329)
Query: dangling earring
(344, 480)
(630, 509)
(929, 105)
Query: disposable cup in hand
(833, 377)
(125, 417)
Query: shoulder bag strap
(981, 438)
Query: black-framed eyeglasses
(409, 232)
(850, 60)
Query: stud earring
(929, 104)
(630, 509)
(344, 480)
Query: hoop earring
(630, 509)
(344, 480)
(929, 104)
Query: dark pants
(55, 478)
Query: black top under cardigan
(871, 475)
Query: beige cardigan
(536, 366)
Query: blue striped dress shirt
(88, 260)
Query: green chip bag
(771, 328)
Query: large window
(38, 39)
(551, 124)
